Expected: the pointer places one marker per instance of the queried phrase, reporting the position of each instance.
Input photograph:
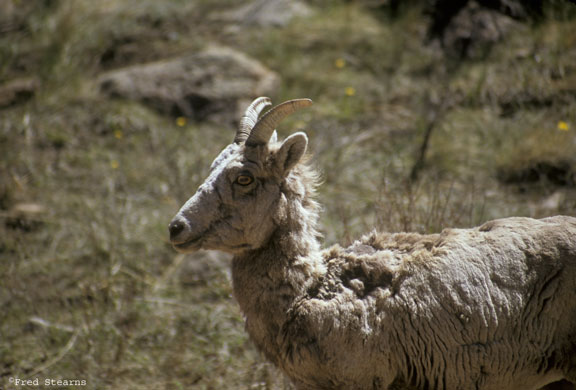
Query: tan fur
(488, 308)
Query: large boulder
(215, 84)
(474, 30)
(468, 28)
(267, 13)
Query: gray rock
(475, 29)
(17, 91)
(214, 84)
(267, 13)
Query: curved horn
(260, 134)
(250, 118)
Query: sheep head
(241, 202)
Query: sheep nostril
(175, 228)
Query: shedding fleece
(493, 307)
(485, 308)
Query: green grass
(91, 288)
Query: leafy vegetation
(91, 288)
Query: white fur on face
(225, 215)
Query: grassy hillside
(91, 288)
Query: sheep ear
(291, 151)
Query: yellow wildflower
(181, 121)
(563, 126)
(350, 91)
(340, 63)
(114, 164)
(118, 134)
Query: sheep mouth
(190, 245)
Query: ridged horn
(250, 118)
(261, 132)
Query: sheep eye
(244, 180)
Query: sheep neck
(269, 281)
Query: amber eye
(244, 180)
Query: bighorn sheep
(493, 307)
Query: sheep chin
(189, 246)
